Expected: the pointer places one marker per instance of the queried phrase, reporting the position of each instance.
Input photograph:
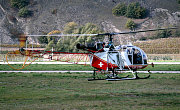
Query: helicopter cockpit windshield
(136, 55)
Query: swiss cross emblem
(100, 64)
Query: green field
(48, 67)
(52, 91)
(165, 67)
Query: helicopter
(102, 57)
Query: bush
(54, 11)
(176, 33)
(119, 10)
(43, 40)
(143, 38)
(24, 12)
(130, 24)
(134, 10)
(19, 3)
(161, 34)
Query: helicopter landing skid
(116, 78)
(133, 78)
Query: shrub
(19, 3)
(143, 38)
(166, 58)
(161, 34)
(176, 33)
(43, 40)
(119, 10)
(134, 10)
(130, 24)
(54, 11)
(24, 12)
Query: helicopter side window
(100, 45)
(137, 57)
(144, 58)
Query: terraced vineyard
(160, 46)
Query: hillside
(162, 13)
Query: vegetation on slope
(163, 34)
(21, 5)
(130, 24)
(132, 10)
(24, 12)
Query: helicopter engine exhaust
(87, 48)
(80, 46)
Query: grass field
(52, 91)
(46, 67)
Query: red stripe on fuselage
(135, 67)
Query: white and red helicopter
(102, 57)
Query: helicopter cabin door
(115, 60)
(137, 57)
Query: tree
(178, 1)
(140, 12)
(59, 45)
(43, 40)
(130, 24)
(119, 10)
(24, 12)
(49, 38)
(70, 27)
(134, 10)
(68, 43)
(50, 45)
(19, 3)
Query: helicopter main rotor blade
(60, 35)
(133, 32)
(129, 32)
